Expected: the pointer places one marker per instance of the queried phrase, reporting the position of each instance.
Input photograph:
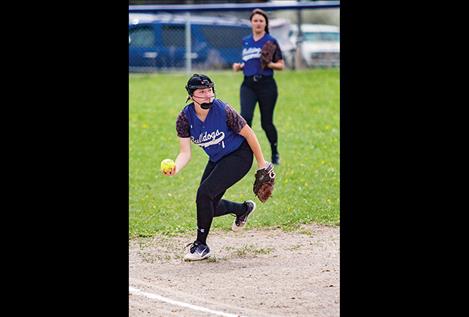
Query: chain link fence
(160, 41)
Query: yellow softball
(167, 165)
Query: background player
(259, 84)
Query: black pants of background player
(262, 90)
(217, 178)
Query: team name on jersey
(252, 52)
(206, 139)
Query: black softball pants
(264, 91)
(217, 178)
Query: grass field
(307, 184)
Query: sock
(230, 207)
(241, 211)
(202, 235)
(273, 147)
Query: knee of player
(247, 118)
(266, 125)
(204, 192)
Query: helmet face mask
(200, 82)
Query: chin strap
(206, 105)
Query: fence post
(188, 44)
(299, 64)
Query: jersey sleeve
(182, 126)
(278, 53)
(234, 120)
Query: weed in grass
(294, 247)
(251, 250)
(213, 259)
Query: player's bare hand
(238, 66)
(170, 172)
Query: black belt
(256, 78)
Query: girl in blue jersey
(259, 84)
(230, 145)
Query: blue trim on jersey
(213, 135)
(251, 55)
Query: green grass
(307, 184)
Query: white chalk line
(136, 291)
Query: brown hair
(264, 14)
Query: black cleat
(198, 251)
(240, 221)
(276, 159)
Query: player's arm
(251, 138)
(238, 66)
(278, 65)
(184, 155)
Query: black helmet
(198, 82)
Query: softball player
(259, 84)
(230, 145)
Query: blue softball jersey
(218, 134)
(252, 53)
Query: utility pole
(299, 64)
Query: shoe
(198, 251)
(240, 221)
(276, 159)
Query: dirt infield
(251, 273)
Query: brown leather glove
(267, 53)
(264, 182)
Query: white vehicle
(320, 45)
